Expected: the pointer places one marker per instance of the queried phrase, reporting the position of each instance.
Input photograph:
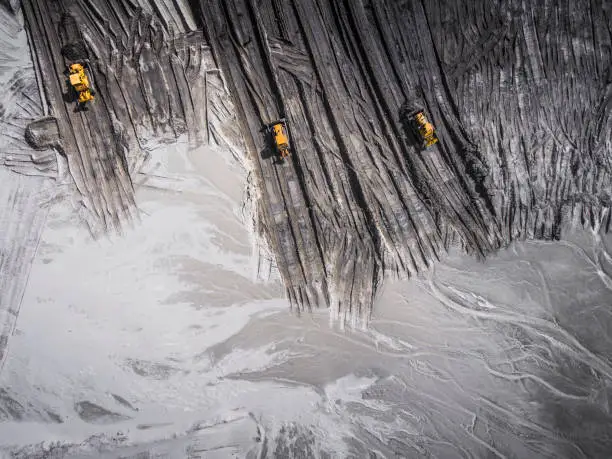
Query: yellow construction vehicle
(80, 82)
(426, 129)
(278, 132)
(414, 116)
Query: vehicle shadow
(412, 138)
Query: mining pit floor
(519, 93)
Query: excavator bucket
(85, 96)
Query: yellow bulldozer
(278, 133)
(80, 83)
(415, 119)
(426, 129)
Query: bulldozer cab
(78, 82)
(85, 96)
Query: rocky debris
(95, 414)
(43, 133)
(19, 107)
(151, 370)
(11, 408)
(123, 402)
(297, 441)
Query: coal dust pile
(425, 183)
(516, 96)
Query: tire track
(22, 220)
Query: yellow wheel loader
(80, 82)
(415, 117)
(426, 129)
(278, 133)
